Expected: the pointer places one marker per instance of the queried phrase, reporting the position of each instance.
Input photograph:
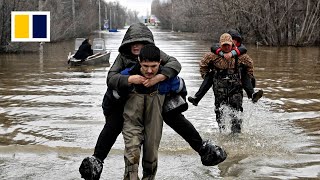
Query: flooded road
(51, 116)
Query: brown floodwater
(51, 116)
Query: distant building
(151, 20)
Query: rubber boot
(211, 155)
(91, 168)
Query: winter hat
(226, 38)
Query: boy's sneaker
(91, 168)
(193, 100)
(257, 95)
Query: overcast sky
(142, 6)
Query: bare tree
(132, 17)
(270, 22)
(116, 14)
(163, 11)
(6, 6)
(308, 32)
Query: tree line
(69, 19)
(267, 22)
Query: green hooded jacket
(137, 33)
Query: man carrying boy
(226, 78)
(248, 82)
(142, 114)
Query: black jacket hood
(136, 33)
(235, 34)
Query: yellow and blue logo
(30, 26)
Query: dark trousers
(247, 83)
(108, 136)
(205, 86)
(114, 124)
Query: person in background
(226, 78)
(247, 81)
(84, 50)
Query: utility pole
(171, 15)
(40, 8)
(74, 17)
(99, 19)
(110, 17)
(99, 16)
